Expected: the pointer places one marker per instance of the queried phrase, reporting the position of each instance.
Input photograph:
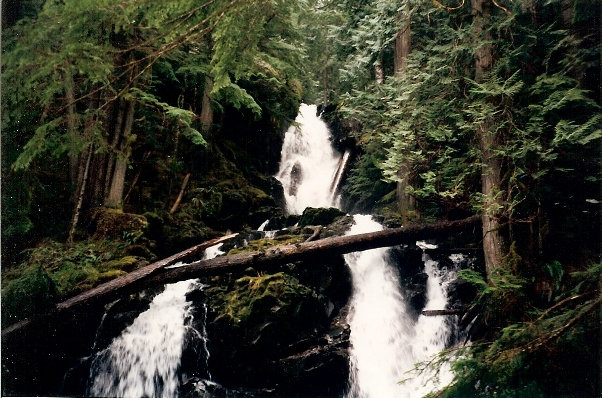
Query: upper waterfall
(310, 169)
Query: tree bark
(402, 44)
(80, 197)
(74, 160)
(115, 194)
(156, 274)
(491, 174)
(207, 106)
(405, 201)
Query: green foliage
(536, 354)
(32, 292)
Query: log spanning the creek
(262, 260)
(157, 273)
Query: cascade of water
(308, 164)
(386, 342)
(378, 319)
(145, 359)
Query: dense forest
(134, 129)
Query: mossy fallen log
(156, 273)
(279, 254)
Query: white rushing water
(309, 166)
(387, 345)
(144, 360)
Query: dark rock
(281, 334)
(461, 294)
(319, 216)
(296, 176)
(408, 259)
(337, 228)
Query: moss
(112, 274)
(53, 272)
(257, 295)
(71, 278)
(114, 223)
(262, 244)
(127, 263)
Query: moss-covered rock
(255, 318)
(255, 296)
(319, 216)
(114, 223)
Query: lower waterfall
(144, 359)
(386, 342)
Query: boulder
(319, 216)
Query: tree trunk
(493, 241)
(406, 203)
(80, 197)
(180, 195)
(74, 158)
(155, 274)
(115, 194)
(207, 106)
(402, 44)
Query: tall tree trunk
(494, 245)
(115, 193)
(80, 197)
(118, 115)
(402, 43)
(207, 106)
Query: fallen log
(262, 260)
(157, 273)
(311, 250)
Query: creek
(165, 348)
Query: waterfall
(378, 319)
(387, 345)
(309, 164)
(144, 361)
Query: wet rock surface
(278, 334)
